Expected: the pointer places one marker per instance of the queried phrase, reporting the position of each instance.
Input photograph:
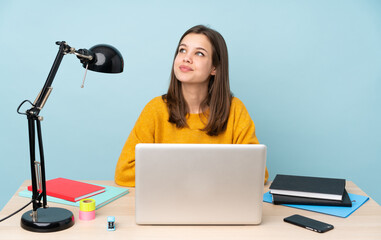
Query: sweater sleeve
(143, 132)
(244, 132)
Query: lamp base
(48, 220)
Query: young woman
(198, 107)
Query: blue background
(309, 73)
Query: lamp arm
(45, 91)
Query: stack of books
(289, 189)
(70, 190)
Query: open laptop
(199, 183)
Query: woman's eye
(200, 54)
(182, 50)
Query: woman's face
(193, 62)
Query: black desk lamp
(100, 58)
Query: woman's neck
(194, 95)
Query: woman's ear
(213, 72)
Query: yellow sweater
(152, 126)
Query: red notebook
(70, 190)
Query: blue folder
(357, 201)
(110, 194)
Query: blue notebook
(357, 201)
(109, 195)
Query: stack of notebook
(69, 192)
(289, 189)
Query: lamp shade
(107, 59)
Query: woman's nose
(187, 58)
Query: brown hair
(219, 96)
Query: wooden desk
(365, 223)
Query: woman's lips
(184, 68)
